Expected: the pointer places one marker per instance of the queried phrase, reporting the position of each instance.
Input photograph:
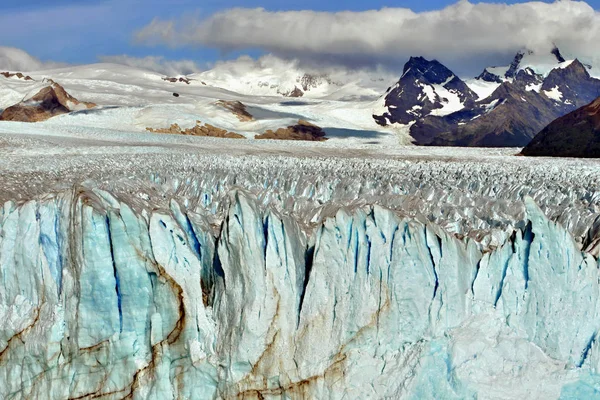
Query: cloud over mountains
(155, 63)
(461, 31)
(13, 59)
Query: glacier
(102, 296)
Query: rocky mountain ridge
(426, 87)
(525, 101)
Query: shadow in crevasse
(294, 103)
(353, 133)
(92, 111)
(260, 113)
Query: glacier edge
(98, 301)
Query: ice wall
(100, 301)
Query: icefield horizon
(229, 271)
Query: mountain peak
(425, 87)
(432, 72)
(539, 63)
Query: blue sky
(81, 31)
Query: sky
(194, 34)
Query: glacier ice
(474, 193)
(102, 299)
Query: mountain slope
(425, 88)
(575, 135)
(510, 117)
(440, 109)
(514, 113)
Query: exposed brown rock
(238, 108)
(198, 130)
(18, 75)
(302, 131)
(310, 81)
(174, 129)
(50, 101)
(297, 92)
(174, 80)
(575, 135)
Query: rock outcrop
(575, 135)
(175, 80)
(51, 101)
(198, 130)
(238, 108)
(297, 92)
(17, 74)
(303, 130)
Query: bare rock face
(311, 81)
(297, 92)
(416, 96)
(175, 80)
(577, 134)
(302, 131)
(238, 108)
(173, 129)
(18, 75)
(198, 130)
(51, 101)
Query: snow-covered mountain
(502, 107)
(539, 63)
(133, 99)
(425, 88)
(139, 265)
(272, 76)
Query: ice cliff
(98, 300)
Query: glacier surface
(158, 267)
(100, 299)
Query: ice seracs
(100, 300)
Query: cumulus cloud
(460, 32)
(155, 64)
(13, 59)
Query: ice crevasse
(100, 301)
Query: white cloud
(460, 32)
(155, 64)
(12, 59)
